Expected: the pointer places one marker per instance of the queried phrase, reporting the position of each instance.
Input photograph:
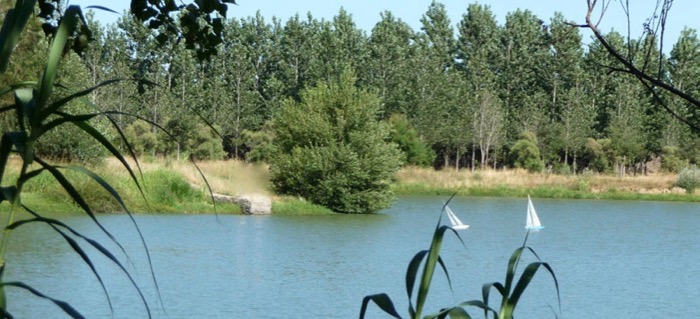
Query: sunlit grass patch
(295, 206)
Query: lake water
(613, 259)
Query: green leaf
(26, 106)
(75, 195)
(429, 268)
(13, 87)
(382, 301)
(87, 128)
(411, 274)
(65, 118)
(117, 197)
(15, 21)
(100, 248)
(67, 308)
(455, 312)
(526, 278)
(486, 291)
(53, 107)
(66, 28)
(76, 248)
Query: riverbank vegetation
(177, 186)
(470, 94)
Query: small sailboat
(532, 222)
(456, 223)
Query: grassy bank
(519, 183)
(175, 186)
(165, 190)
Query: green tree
(570, 109)
(478, 47)
(388, 67)
(333, 150)
(440, 92)
(684, 72)
(575, 123)
(142, 140)
(436, 27)
(522, 77)
(70, 143)
(416, 152)
(478, 59)
(525, 153)
(488, 124)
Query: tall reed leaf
(66, 307)
(76, 248)
(66, 28)
(15, 20)
(510, 290)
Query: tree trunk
(473, 155)
(457, 152)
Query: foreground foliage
(332, 149)
(510, 290)
(33, 111)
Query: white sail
(532, 221)
(456, 223)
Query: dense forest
(472, 94)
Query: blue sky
(366, 12)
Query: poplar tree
(524, 48)
(388, 67)
(478, 56)
(684, 72)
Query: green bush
(331, 149)
(260, 145)
(142, 140)
(594, 155)
(415, 150)
(670, 161)
(525, 153)
(689, 179)
(206, 144)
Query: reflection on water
(612, 259)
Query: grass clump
(689, 179)
(288, 205)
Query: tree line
(474, 94)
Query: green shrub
(562, 169)
(594, 155)
(169, 188)
(525, 153)
(415, 150)
(670, 161)
(689, 179)
(142, 140)
(206, 144)
(260, 145)
(331, 149)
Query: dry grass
(451, 179)
(227, 177)
(224, 177)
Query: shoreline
(174, 187)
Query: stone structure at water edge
(251, 204)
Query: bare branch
(647, 80)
